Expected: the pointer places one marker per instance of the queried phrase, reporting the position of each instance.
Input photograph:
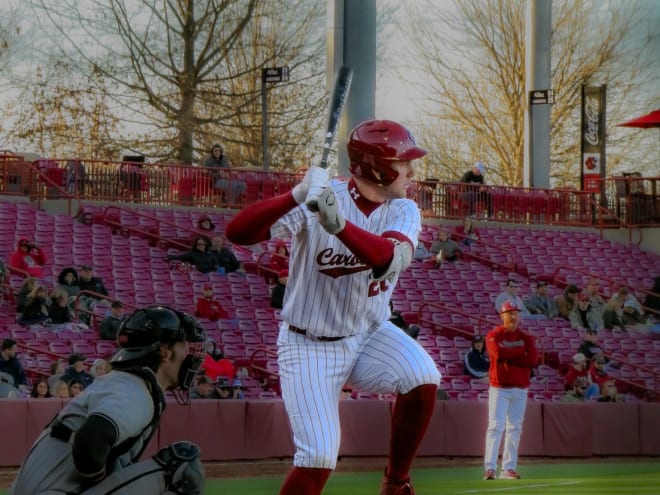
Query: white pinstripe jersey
(330, 292)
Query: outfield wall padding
(234, 430)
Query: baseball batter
(344, 264)
(92, 446)
(512, 354)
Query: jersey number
(378, 286)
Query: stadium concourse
(127, 244)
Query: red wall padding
(227, 430)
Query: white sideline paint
(520, 487)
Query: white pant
(506, 406)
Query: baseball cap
(207, 286)
(509, 306)
(203, 379)
(579, 357)
(583, 297)
(237, 384)
(480, 167)
(541, 283)
(629, 304)
(572, 289)
(116, 304)
(222, 381)
(86, 268)
(75, 358)
(477, 338)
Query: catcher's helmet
(374, 145)
(146, 329)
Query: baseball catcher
(344, 264)
(93, 445)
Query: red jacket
(210, 309)
(512, 356)
(32, 262)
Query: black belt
(300, 331)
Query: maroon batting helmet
(373, 147)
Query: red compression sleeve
(252, 224)
(373, 250)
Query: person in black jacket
(476, 361)
(76, 371)
(10, 364)
(199, 255)
(226, 258)
(277, 292)
(476, 193)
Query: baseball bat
(340, 90)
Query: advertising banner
(592, 137)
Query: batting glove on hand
(315, 179)
(329, 217)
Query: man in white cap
(474, 194)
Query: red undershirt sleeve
(252, 224)
(373, 250)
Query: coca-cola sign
(591, 120)
(593, 137)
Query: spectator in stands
(613, 315)
(67, 280)
(277, 292)
(631, 315)
(40, 389)
(597, 371)
(592, 291)
(61, 390)
(510, 294)
(397, 318)
(209, 308)
(232, 188)
(88, 282)
(577, 391)
(346, 393)
(57, 369)
(199, 255)
(110, 324)
(539, 303)
(477, 193)
(28, 257)
(567, 300)
(422, 252)
(580, 368)
(223, 388)
(477, 362)
(7, 388)
(59, 311)
(444, 248)
(225, 257)
(76, 177)
(75, 387)
(652, 300)
(589, 346)
(238, 389)
(23, 293)
(203, 389)
(213, 350)
(76, 371)
(99, 367)
(584, 317)
(623, 295)
(10, 364)
(36, 306)
(467, 232)
(205, 226)
(280, 260)
(609, 393)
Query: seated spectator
(36, 307)
(609, 393)
(238, 389)
(539, 303)
(223, 388)
(346, 393)
(476, 362)
(631, 315)
(7, 388)
(577, 391)
(76, 371)
(23, 293)
(59, 311)
(510, 294)
(597, 372)
(589, 346)
(213, 350)
(88, 282)
(209, 308)
(199, 255)
(397, 318)
(10, 364)
(580, 369)
(467, 232)
(40, 389)
(99, 367)
(623, 295)
(277, 292)
(422, 252)
(67, 280)
(203, 389)
(28, 257)
(205, 227)
(584, 317)
(226, 259)
(280, 259)
(57, 369)
(75, 387)
(567, 300)
(110, 324)
(61, 390)
(592, 291)
(613, 315)
(444, 248)
(231, 188)
(652, 300)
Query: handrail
(62, 193)
(606, 212)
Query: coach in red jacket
(512, 354)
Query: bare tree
(473, 56)
(175, 66)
